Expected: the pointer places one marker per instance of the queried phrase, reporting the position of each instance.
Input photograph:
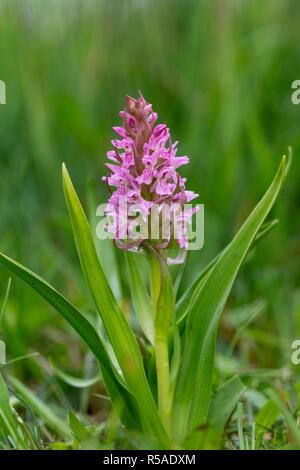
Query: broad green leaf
(121, 337)
(41, 409)
(193, 391)
(120, 397)
(140, 297)
(224, 402)
(8, 424)
(86, 439)
(75, 381)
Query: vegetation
(220, 75)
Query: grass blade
(5, 302)
(240, 425)
(8, 424)
(266, 417)
(87, 440)
(41, 409)
(75, 381)
(290, 421)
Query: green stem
(161, 349)
(163, 381)
(154, 281)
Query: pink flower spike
(144, 172)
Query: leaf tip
(281, 170)
(64, 169)
(65, 177)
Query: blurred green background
(219, 73)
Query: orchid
(159, 375)
(144, 174)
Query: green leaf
(121, 337)
(266, 417)
(75, 381)
(121, 398)
(140, 297)
(41, 409)
(86, 439)
(8, 424)
(193, 391)
(224, 402)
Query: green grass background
(219, 73)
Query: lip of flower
(133, 196)
(120, 131)
(166, 181)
